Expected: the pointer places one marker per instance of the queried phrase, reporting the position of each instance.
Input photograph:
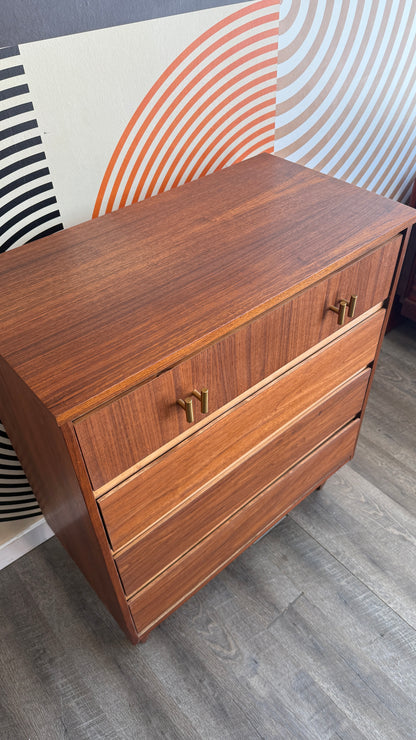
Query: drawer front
(160, 546)
(116, 437)
(166, 483)
(176, 584)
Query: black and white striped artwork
(16, 497)
(28, 207)
(28, 211)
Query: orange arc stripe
(238, 78)
(269, 129)
(171, 88)
(254, 8)
(174, 104)
(250, 126)
(265, 145)
(164, 97)
(173, 146)
(211, 83)
(229, 113)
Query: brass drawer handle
(202, 396)
(351, 306)
(187, 404)
(342, 309)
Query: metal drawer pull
(342, 309)
(187, 404)
(351, 306)
(203, 397)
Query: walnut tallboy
(178, 375)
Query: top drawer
(117, 436)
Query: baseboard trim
(29, 538)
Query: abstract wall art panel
(105, 105)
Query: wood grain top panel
(91, 311)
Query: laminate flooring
(310, 634)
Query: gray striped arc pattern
(346, 93)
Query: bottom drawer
(176, 584)
(174, 535)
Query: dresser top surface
(90, 311)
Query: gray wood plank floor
(310, 634)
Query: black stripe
(27, 212)
(10, 51)
(23, 509)
(25, 196)
(20, 146)
(16, 110)
(27, 493)
(3, 445)
(46, 19)
(11, 92)
(14, 477)
(29, 177)
(26, 229)
(22, 163)
(18, 128)
(47, 232)
(15, 518)
(5, 74)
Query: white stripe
(19, 489)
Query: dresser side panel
(70, 511)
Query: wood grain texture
(134, 320)
(205, 560)
(238, 249)
(167, 482)
(116, 436)
(69, 508)
(164, 543)
(287, 642)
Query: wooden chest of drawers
(178, 375)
